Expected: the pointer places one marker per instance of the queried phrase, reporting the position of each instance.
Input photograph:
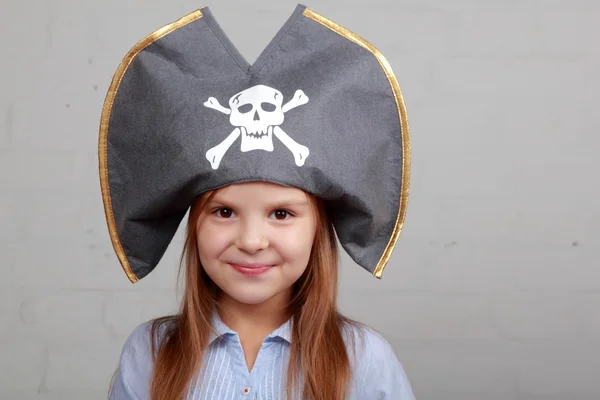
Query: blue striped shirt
(376, 371)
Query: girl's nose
(252, 240)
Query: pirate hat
(320, 110)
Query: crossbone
(257, 125)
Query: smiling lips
(251, 269)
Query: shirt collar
(284, 331)
(220, 329)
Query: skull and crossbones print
(257, 113)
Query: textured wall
(493, 292)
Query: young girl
(259, 317)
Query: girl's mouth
(251, 269)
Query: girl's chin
(255, 299)
(251, 294)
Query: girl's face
(255, 240)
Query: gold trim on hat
(102, 143)
(403, 127)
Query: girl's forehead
(260, 192)
(259, 187)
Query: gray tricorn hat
(320, 110)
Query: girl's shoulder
(137, 349)
(136, 362)
(376, 368)
(140, 339)
(362, 338)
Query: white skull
(256, 111)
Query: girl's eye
(281, 214)
(224, 213)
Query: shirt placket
(249, 384)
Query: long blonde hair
(318, 350)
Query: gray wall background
(493, 292)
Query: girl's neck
(253, 322)
(260, 318)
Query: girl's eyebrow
(290, 203)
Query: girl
(259, 318)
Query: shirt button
(246, 391)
